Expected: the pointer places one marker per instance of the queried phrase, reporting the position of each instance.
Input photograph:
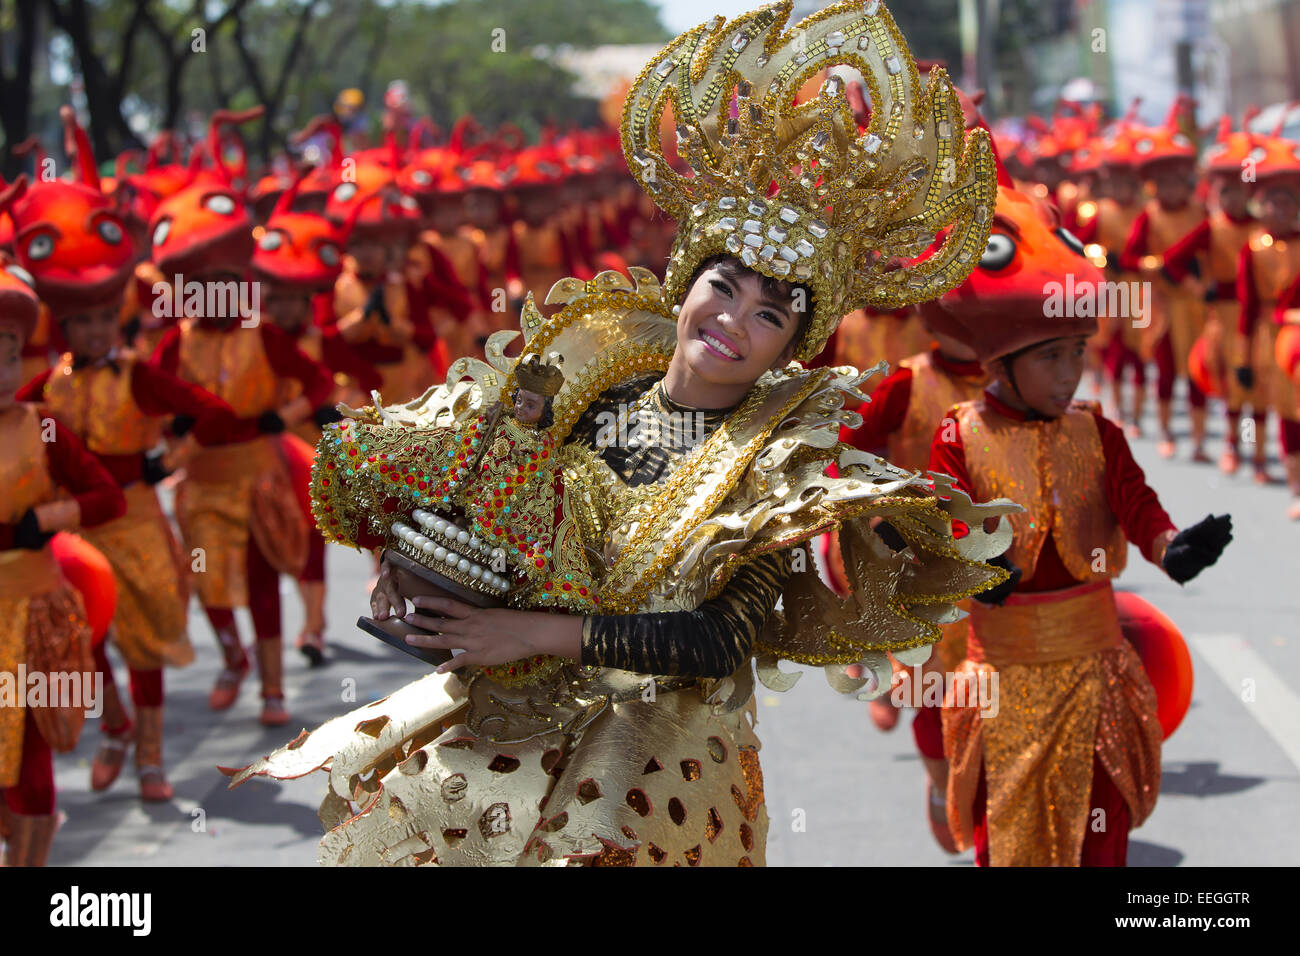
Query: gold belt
(231, 463)
(1045, 627)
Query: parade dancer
(693, 545)
(382, 315)
(237, 512)
(1166, 158)
(1269, 262)
(49, 482)
(1210, 252)
(116, 405)
(1104, 227)
(298, 258)
(1058, 764)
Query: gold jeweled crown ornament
(848, 204)
(544, 378)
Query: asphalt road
(1231, 773)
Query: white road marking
(1276, 706)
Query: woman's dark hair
(734, 269)
(548, 416)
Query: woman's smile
(720, 346)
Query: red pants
(1166, 373)
(146, 685)
(33, 794)
(1117, 356)
(314, 570)
(1106, 848)
(263, 598)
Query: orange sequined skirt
(153, 588)
(42, 627)
(231, 492)
(1049, 681)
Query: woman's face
(729, 331)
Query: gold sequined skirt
(42, 626)
(558, 775)
(1035, 747)
(230, 492)
(149, 626)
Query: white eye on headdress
(21, 274)
(161, 232)
(40, 248)
(222, 205)
(999, 252)
(328, 254)
(344, 191)
(271, 241)
(109, 231)
(1144, 146)
(422, 177)
(408, 202)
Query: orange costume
(43, 624)
(1050, 715)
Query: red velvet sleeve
(34, 391)
(1131, 499)
(168, 354)
(883, 415)
(342, 358)
(1180, 255)
(443, 287)
(1136, 246)
(949, 457)
(1247, 293)
(422, 334)
(288, 361)
(162, 393)
(1290, 299)
(75, 469)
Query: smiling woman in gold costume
(621, 732)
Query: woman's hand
(490, 636)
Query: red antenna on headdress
(224, 118)
(77, 145)
(1281, 120)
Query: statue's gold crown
(848, 205)
(536, 376)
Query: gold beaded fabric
(794, 190)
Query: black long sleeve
(710, 641)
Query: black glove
(28, 534)
(998, 594)
(1196, 548)
(181, 424)
(270, 423)
(326, 415)
(1245, 376)
(154, 469)
(375, 305)
(1212, 291)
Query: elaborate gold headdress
(847, 205)
(544, 378)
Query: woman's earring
(677, 310)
